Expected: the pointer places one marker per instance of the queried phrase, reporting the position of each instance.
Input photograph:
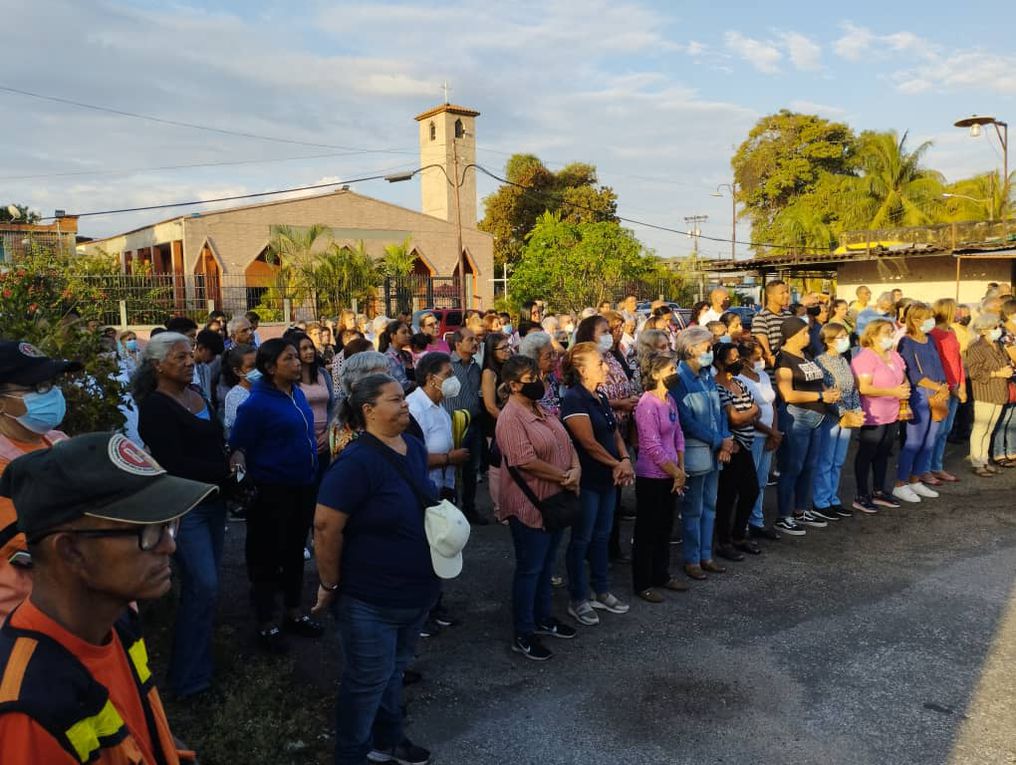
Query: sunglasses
(149, 535)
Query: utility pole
(695, 232)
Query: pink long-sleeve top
(660, 436)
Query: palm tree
(893, 188)
(342, 274)
(398, 260)
(983, 197)
(294, 249)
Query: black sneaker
(764, 532)
(789, 526)
(530, 647)
(411, 677)
(442, 618)
(842, 511)
(557, 629)
(808, 518)
(303, 626)
(406, 753)
(882, 499)
(865, 505)
(271, 640)
(825, 513)
(429, 629)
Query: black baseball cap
(101, 475)
(21, 363)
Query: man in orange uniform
(100, 516)
(31, 408)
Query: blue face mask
(253, 376)
(724, 338)
(131, 345)
(44, 411)
(705, 359)
(506, 329)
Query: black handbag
(559, 511)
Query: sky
(657, 95)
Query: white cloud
(854, 43)
(695, 49)
(961, 71)
(858, 42)
(762, 55)
(824, 110)
(804, 53)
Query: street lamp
(456, 184)
(974, 123)
(987, 202)
(733, 216)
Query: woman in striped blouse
(738, 489)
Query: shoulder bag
(559, 511)
(939, 402)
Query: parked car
(449, 320)
(746, 313)
(682, 316)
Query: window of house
(459, 129)
(433, 131)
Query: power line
(138, 170)
(192, 125)
(219, 199)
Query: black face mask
(533, 390)
(670, 381)
(735, 367)
(964, 322)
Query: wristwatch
(326, 588)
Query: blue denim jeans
(532, 595)
(698, 516)
(801, 431)
(588, 541)
(833, 444)
(377, 644)
(763, 462)
(944, 429)
(1003, 438)
(915, 456)
(198, 555)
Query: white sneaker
(906, 493)
(923, 491)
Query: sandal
(676, 585)
(651, 595)
(984, 472)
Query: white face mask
(450, 387)
(606, 342)
(886, 343)
(842, 345)
(995, 335)
(759, 366)
(927, 325)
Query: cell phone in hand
(240, 474)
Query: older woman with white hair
(708, 445)
(539, 346)
(990, 370)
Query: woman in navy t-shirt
(606, 465)
(375, 564)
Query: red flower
(7, 293)
(33, 307)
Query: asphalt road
(864, 642)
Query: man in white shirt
(435, 379)
(719, 300)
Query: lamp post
(733, 216)
(455, 184)
(988, 202)
(974, 123)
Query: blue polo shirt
(385, 556)
(577, 402)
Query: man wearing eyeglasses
(101, 517)
(32, 406)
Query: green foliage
(41, 293)
(512, 211)
(398, 260)
(342, 274)
(982, 197)
(26, 216)
(573, 265)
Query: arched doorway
(210, 276)
(472, 298)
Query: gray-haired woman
(185, 437)
(990, 371)
(539, 346)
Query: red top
(948, 347)
(107, 663)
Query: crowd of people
(354, 442)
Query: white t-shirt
(710, 315)
(436, 425)
(764, 395)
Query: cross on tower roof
(446, 89)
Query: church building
(219, 256)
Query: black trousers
(654, 517)
(277, 527)
(735, 497)
(874, 444)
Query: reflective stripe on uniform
(139, 658)
(14, 673)
(86, 736)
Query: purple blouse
(660, 435)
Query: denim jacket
(698, 407)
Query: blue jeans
(763, 461)
(802, 429)
(698, 516)
(589, 538)
(833, 443)
(377, 644)
(198, 555)
(1004, 437)
(915, 456)
(944, 429)
(532, 595)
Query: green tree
(342, 274)
(575, 265)
(893, 188)
(294, 249)
(398, 260)
(24, 214)
(511, 212)
(784, 157)
(982, 197)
